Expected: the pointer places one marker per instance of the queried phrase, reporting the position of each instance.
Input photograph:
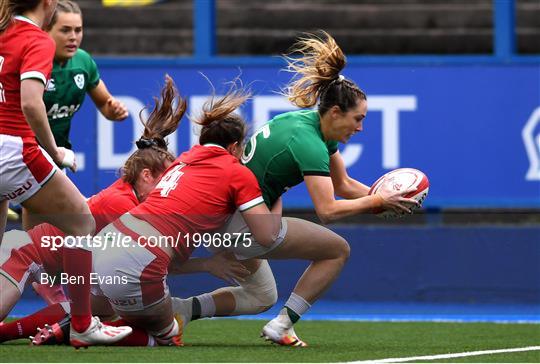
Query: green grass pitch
(222, 340)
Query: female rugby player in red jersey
(140, 175)
(196, 195)
(28, 172)
(295, 147)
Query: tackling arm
(264, 224)
(222, 265)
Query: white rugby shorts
(24, 168)
(132, 278)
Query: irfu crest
(79, 80)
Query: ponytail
(220, 125)
(317, 75)
(152, 152)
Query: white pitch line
(447, 356)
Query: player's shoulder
(83, 59)
(299, 123)
(121, 189)
(237, 170)
(118, 196)
(82, 54)
(30, 35)
(298, 116)
(25, 27)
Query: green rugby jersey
(65, 92)
(287, 148)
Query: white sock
(183, 307)
(208, 306)
(283, 318)
(298, 305)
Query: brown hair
(64, 6)
(219, 124)
(9, 8)
(152, 150)
(318, 75)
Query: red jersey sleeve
(37, 59)
(111, 203)
(119, 205)
(245, 188)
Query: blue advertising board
(473, 129)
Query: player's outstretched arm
(109, 106)
(344, 185)
(329, 209)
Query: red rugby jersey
(26, 52)
(111, 203)
(106, 206)
(197, 193)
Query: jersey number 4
(170, 180)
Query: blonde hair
(64, 6)
(317, 75)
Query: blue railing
(204, 44)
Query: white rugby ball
(399, 180)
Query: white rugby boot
(98, 334)
(278, 332)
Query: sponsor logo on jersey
(50, 85)
(18, 192)
(57, 112)
(79, 80)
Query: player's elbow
(265, 238)
(327, 215)
(323, 218)
(340, 188)
(265, 228)
(29, 106)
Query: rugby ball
(398, 180)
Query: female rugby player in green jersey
(295, 147)
(74, 75)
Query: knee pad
(257, 293)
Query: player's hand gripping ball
(399, 180)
